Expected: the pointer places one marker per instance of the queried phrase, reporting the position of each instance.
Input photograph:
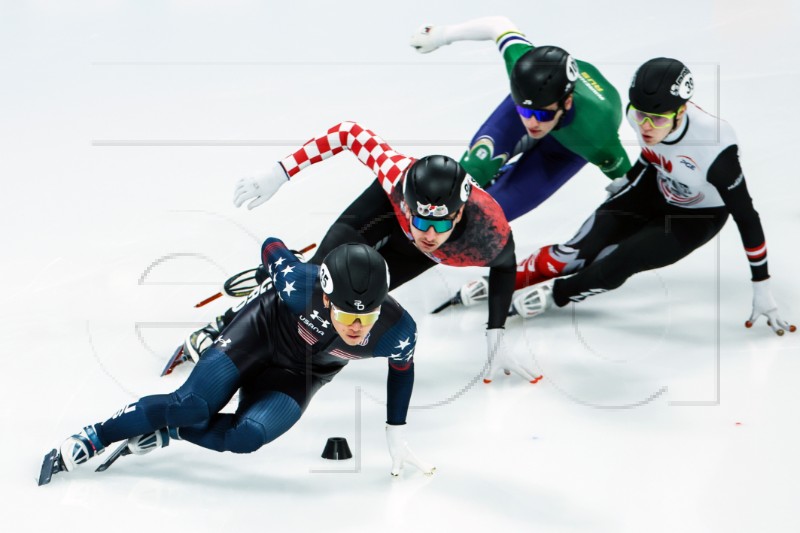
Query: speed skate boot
(79, 448)
(74, 451)
(141, 445)
(474, 291)
(197, 342)
(144, 444)
(194, 345)
(471, 293)
(532, 301)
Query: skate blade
(455, 300)
(50, 466)
(121, 451)
(175, 360)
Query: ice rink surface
(124, 128)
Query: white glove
(764, 304)
(617, 185)
(401, 453)
(499, 357)
(428, 38)
(260, 188)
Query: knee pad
(208, 388)
(264, 422)
(247, 437)
(187, 410)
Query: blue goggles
(541, 115)
(440, 225)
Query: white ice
(124, 126)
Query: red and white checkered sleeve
(368, 147)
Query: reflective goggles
(440, 225)
(541, 115)
(656, 121)
(367, 319)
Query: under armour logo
(315, 316)
(224, 342)
(358, 305)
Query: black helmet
(435, 187)
(355, 277)
(543, 76)
(661, 85)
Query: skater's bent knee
(187, 410)
(248, 436)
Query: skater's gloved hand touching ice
(764, 304)
(500, 358)
(401, 453)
